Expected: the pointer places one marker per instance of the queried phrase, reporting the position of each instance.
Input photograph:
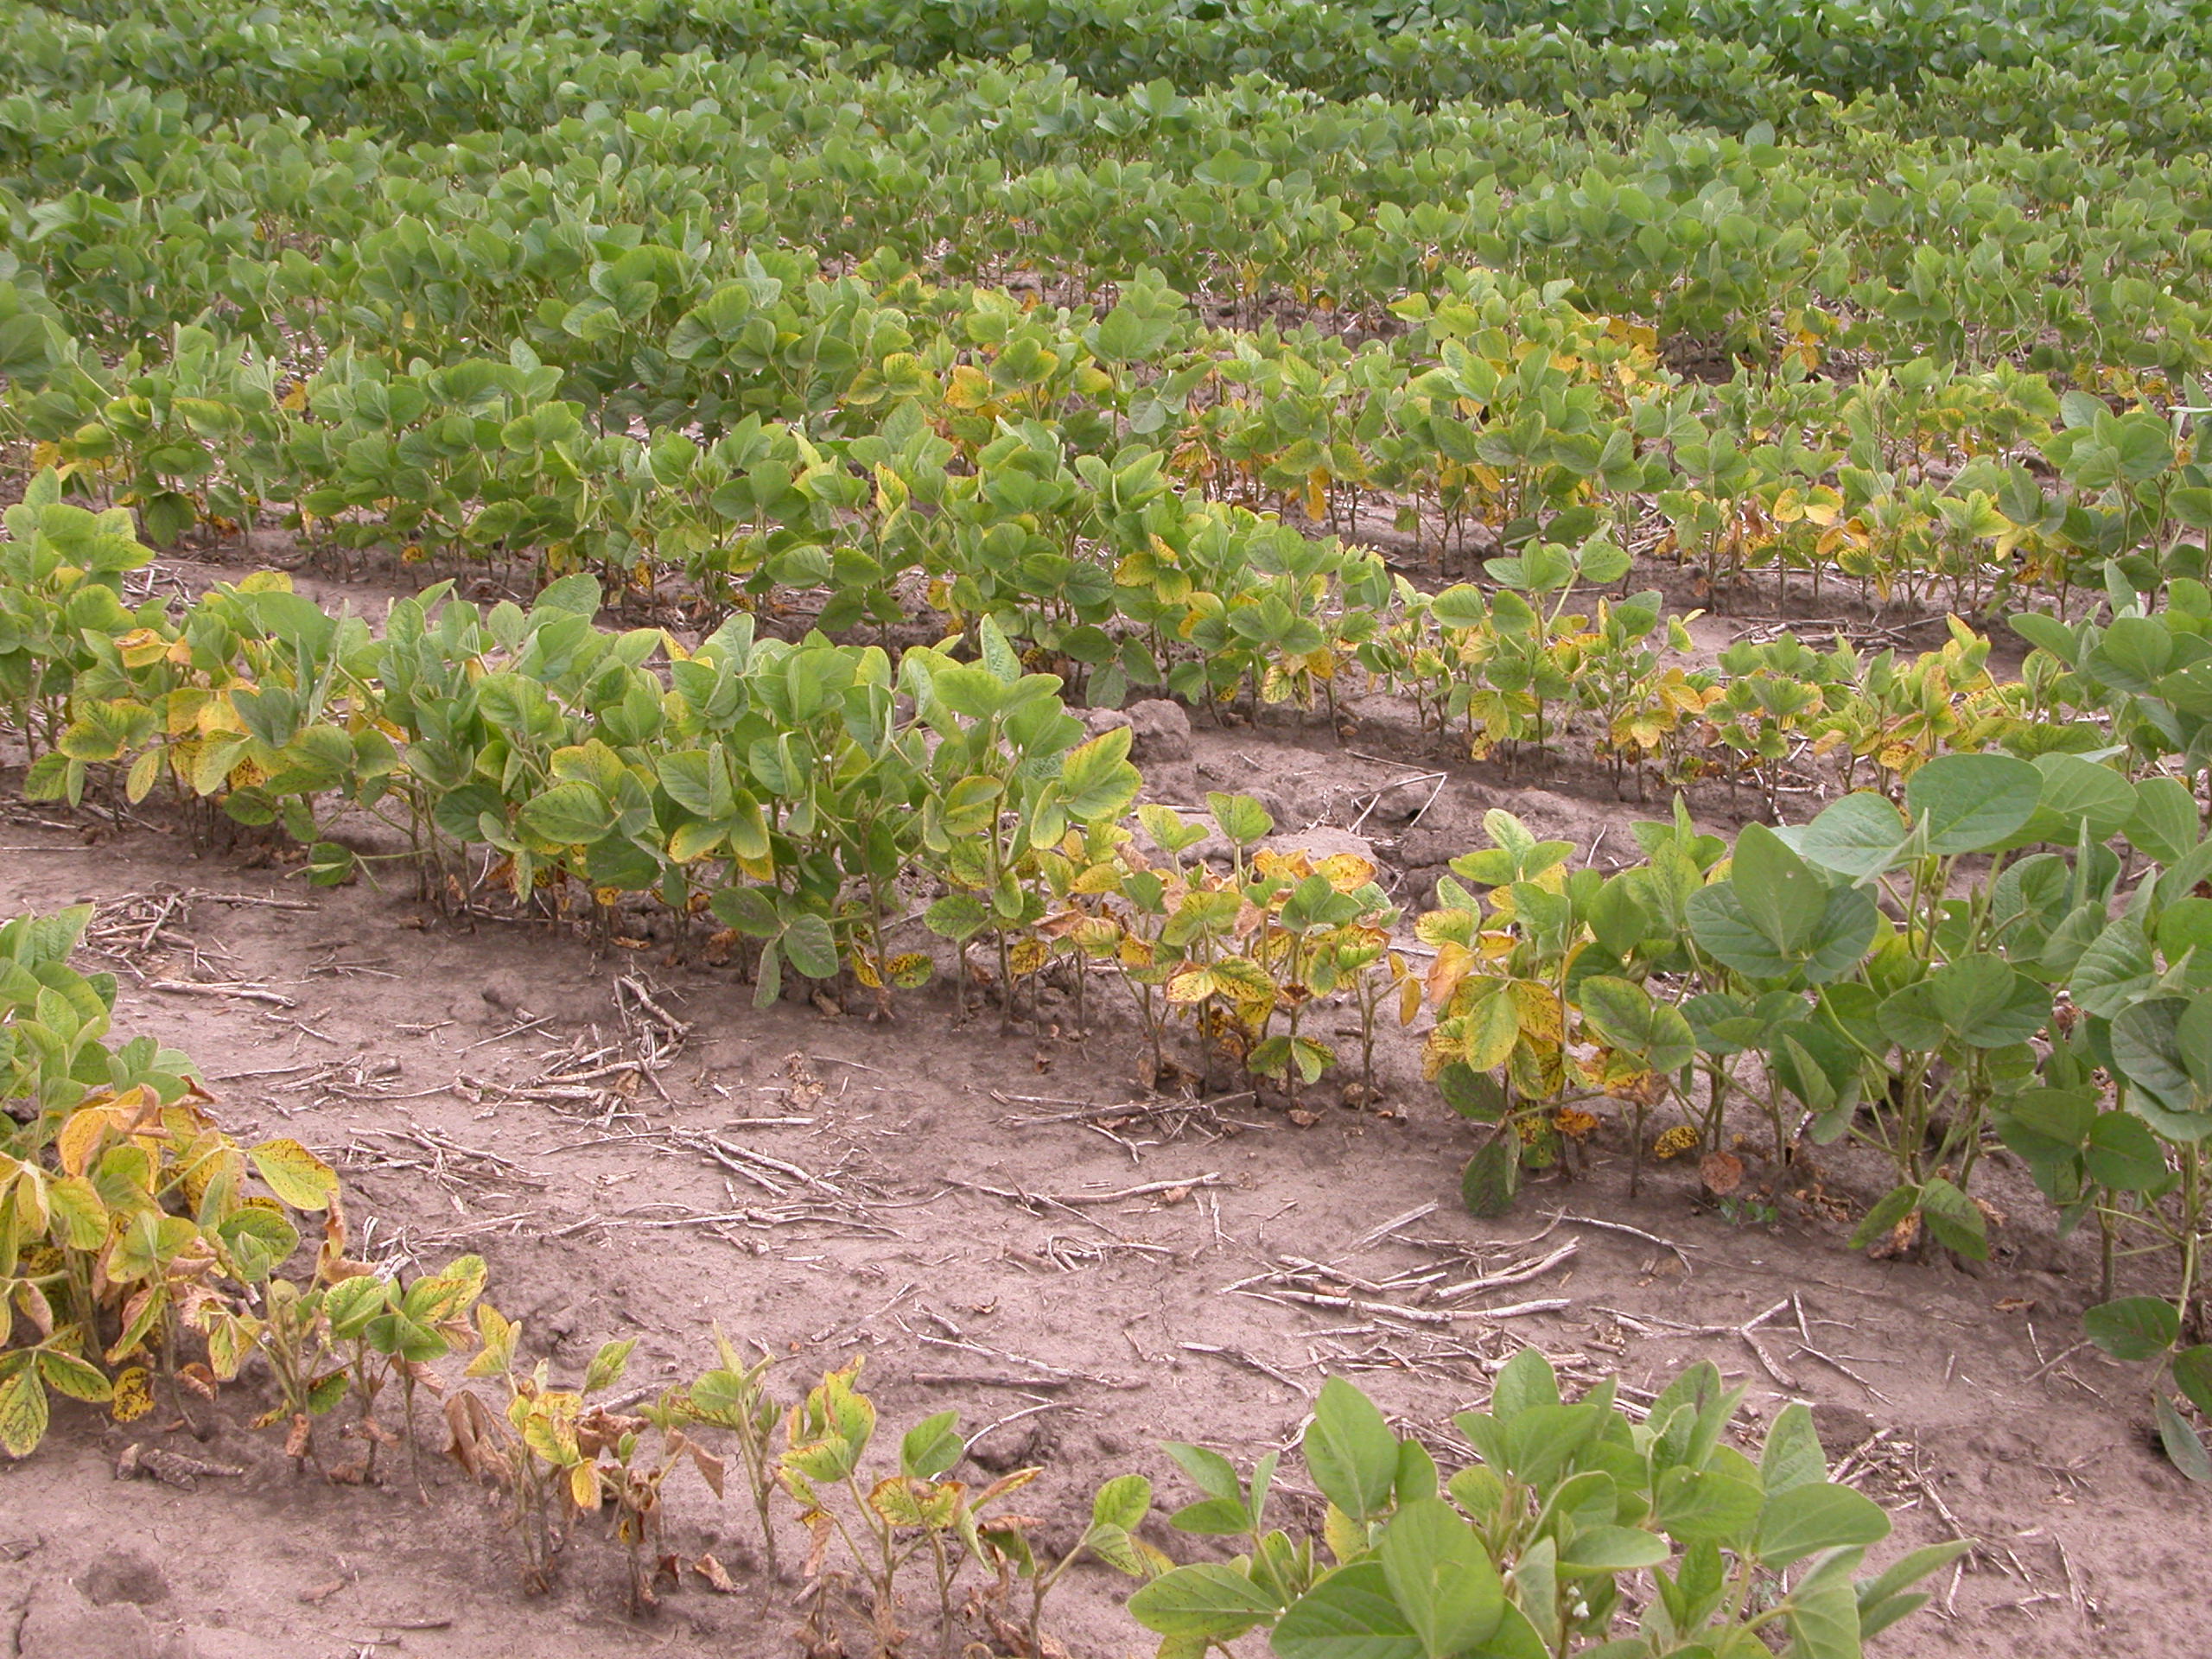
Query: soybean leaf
(1350, 1451)
(1207, 1600)
(1349, 1614)
(1971, 803)
(1805, 1520)
(1441, 1577)
(2133, 1327)
(932, 1447)
(2180, 1440)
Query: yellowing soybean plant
(1048, 828)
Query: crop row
(1719, 63)
(141, 210)
(1914, 971)
(1097, 484)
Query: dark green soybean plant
(1528, 1552)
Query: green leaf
(2115, 970)
(1349, 1614)
(1611, 1549)
(1208, 1600)
(1096, 780)
(1822, 944)
(2165, 824)
(1350, 1451)
(1525, 1382)
(1706, 1505)
(1221, 1512)
(1954, 1219)
(2193, 1376)
(1823, 1616)
(1779, 895)
(748, 910)
(66, 1374)
(811, 948)
(1792, 1456)
(2121, 1153)
(1239, 817)
(1491, 1176)
(1802, 1520)
(23, 1410)
(1859, 835)
(2179, 1438)
(1626, 1016)
(2133, 1327)
(932, 1447)
(1123, 1502)
(607, 1364)
(1986, 1003)
(1882, 1600)
(956, 916)
(1441, 1577)
(350, 1304)
(1971, 803)
(2148, 1051)
(2080, 794)
(568, 815)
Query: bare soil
(937, 1202)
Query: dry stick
(1326, 1271)
(1132, 1108)
(974, 1380)
(1515, 1275)
(2056, 1359)
(1238, 1357)
(1676, 1328)
(1410, 1315)
(1514, 1310)
(1632, 1232)
(1806, 1350)
(1374, 1235)
(1015, 1417)
(1375, 798)
(511, 1031)
(196, 893)
(238, 991)
(1059, 1372)
(1071, 1200)
(269, 1071)
(1789, 1382)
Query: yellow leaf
(1346, 871)
(969, 389)
(1537, 1009)
(1191, 985)
(294, 1174)
(583, 1487)
(134, 1394)
(1490, 1027)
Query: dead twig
(1632, 1232)
(237, 990)
(1238, 1357)
(1519, 1274)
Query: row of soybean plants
(1118, 491)
(2063, 68)
(2068, 256)
(2007, 951)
